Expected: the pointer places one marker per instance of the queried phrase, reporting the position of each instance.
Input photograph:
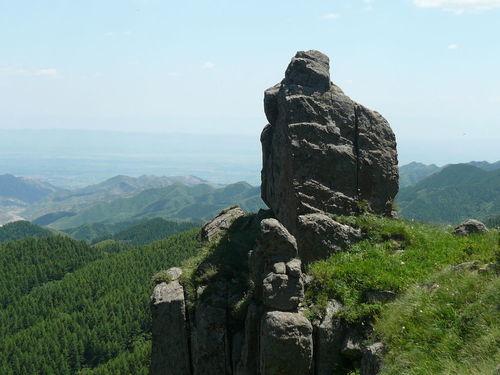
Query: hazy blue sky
(431, 67)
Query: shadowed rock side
(170, 352)
(323, 152)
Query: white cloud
(458, 6)
(453, 46)
(330, 16)
(28, 72)
(208, 65)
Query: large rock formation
(323, 152)
(323, 155)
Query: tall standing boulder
(286, 344)
(170, 350)
(323, 152)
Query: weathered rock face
(221, 223)
(323, 152)
(329, 339)
(210, 336)
(286, 344)
(320, 235)
(372, 359)
(470, 226)
(170, 351)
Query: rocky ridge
(323, 155)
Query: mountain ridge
(457, 192)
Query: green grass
(395, 255)
(452, 330)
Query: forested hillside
(151, 230)
(138, 232)
(178, 202)
(30, 263)
(92, 317)
(18, 230)
(455, 193)
(414, 172)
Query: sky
(431, 67)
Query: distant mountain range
(22, 190)
(180, 202)
(427, 192)
(27, 198)
(106, 191)
(414, 172)
(452, 194)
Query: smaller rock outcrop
(221, 223)
(329, 339)
(322, 236)
(470, 226)
(286, 344)
(372, 359)
(170, 349)
(209, 335)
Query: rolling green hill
(455, 193)
(151, 230)
(175, 202)
(95, 232)
(414, 172)
(67, 202)
(32, 262)
(18, 230)
(138, 232)
(91, 316)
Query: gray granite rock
(323, 152)
(286, 344)
(282, 292)
(170, 349)
(372, 359)
(221, 223)
(320, 236)
(275, 241)
(470, 226)
(329, 339)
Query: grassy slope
(453, 329)
(399, 256)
